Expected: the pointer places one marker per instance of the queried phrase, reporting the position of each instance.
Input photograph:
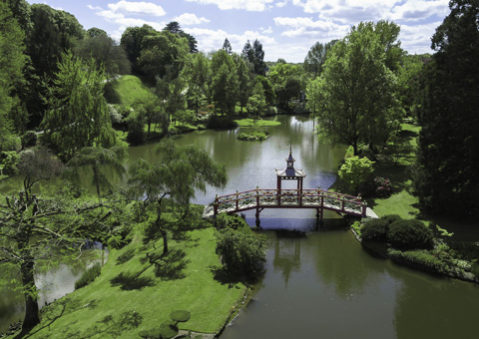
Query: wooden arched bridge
(289, 198)
(319, 199)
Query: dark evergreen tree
(227, 46)
(448, 162)
(175, 28)
(259, 64)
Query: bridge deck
(289, 198)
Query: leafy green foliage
(99, 159)
(8, 163)
(224, 82)
(242, 252)
(253, 135)
(99, 46)
(375, 230)
(88, 276)
(446, 177)
(313, 63)
(355, 172)
(78, 115)
(12, 62)
(409, 234)
(356, 93)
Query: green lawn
(209, 301)
(130, 89)
(248, 122)
(402, 202)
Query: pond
(322, 283)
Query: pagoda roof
(290, 172)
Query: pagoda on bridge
(290, 173)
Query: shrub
(409, 234)
(235, 222)
(383, 187)
(420, 259)
(8, 163)
(88, 276)
(390, 218)
(375, 230)
(355, 172)
(29, 139)
(242, 253)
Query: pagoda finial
(290, 149)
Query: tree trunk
(32, 317)
(163, 233)
(96, 178)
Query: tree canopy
(77, 115)
(448, 160)
(357, 89)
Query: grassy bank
(100, 307)
(130, 90)
(248, 122)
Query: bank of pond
(315, 280)
(411, 243)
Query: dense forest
(72, 98)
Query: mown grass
(131, 90)
(209, 301)
(402, 202)
(248, 122)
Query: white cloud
(188, 19)
(419, 10)
(94, 8)
(148, 8)
(323, 30)
(281, 4)
(249, 5)
(264, 30)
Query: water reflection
(287, 256)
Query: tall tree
(196, 74)
(99, 46)
(227, 46)
(78, 115)
(448, 159)
(288, 84)
(131, 41)
(244, 80)
(162, 54)
(357, 90)
(53, 32)
(174, 28)
(12, 63)
(313, 63)
(181, 171)
(224, 81)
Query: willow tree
(180, 172)
(103, 162)
(78, 115)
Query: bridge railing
(316, 198)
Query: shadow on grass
(131, 281)
(55, 311)
(224, 277)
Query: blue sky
(286, 28)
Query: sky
(286, 28)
